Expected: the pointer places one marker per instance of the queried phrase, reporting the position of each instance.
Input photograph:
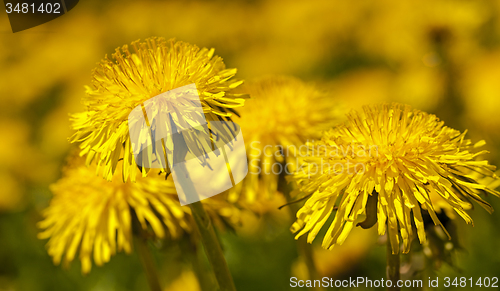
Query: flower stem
(147, 262)
(212, 247)
(206, 280)
(392, 267)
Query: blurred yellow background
(439, 56)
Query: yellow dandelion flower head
(388, 165)
(95, 217)
(133, 76)
(282, 114)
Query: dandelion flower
(95, 216)
(388, 165)
(152, 67)
(282, 114)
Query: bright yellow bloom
(386, 165)
(282, 114)
(153, 67)
(95, 216)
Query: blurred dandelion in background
(282, 114)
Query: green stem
(392, 267)
(212, 247)
(147, 262)
(206, 280)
